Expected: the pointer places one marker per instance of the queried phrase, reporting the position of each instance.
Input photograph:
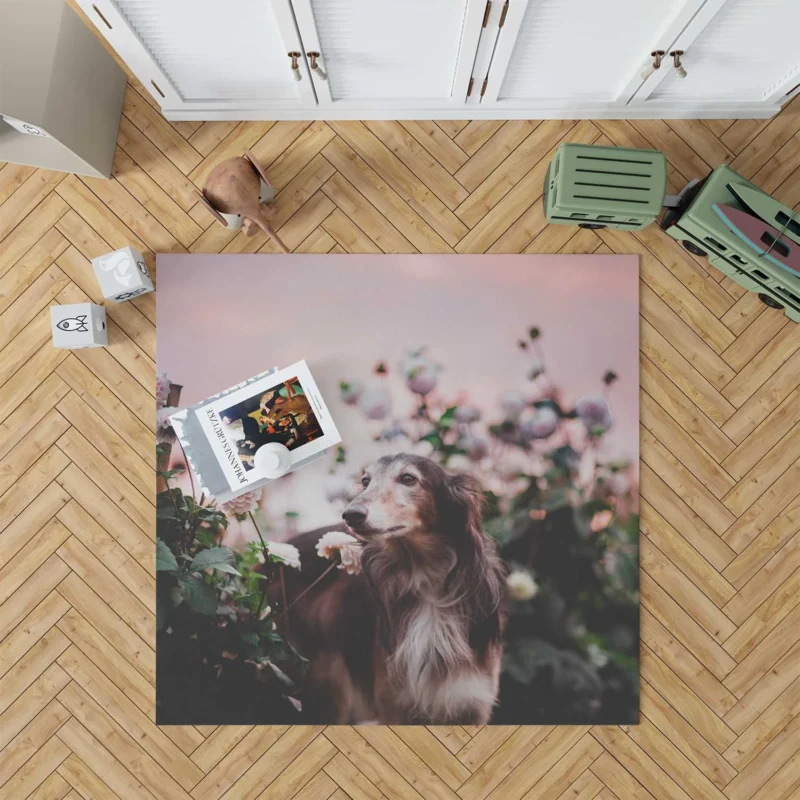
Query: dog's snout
(354, 515)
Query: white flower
(244, 503)
(421, 373)
(535, 370)
(521, 585)
(512, 404)
(162, 389)
(467, 414)
(351, 391)
(375, 403)
(594, 413)
(351, 558)
(285, 552)
(543, 423)
(164, 432)
(331, 542)
(597, 656)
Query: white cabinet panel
(206, 52)
(582, 50)
(746, 52)
(391, 53)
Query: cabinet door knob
(315, 68)
(676, 60)
(651, 68)
(295, 66)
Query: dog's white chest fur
(433, 667)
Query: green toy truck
(598, 187)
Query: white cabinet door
(578, 53)
(744, 51)
(390, 54)
(206, 54)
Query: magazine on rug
(280, 406)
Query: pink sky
(223, 318)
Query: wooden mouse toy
(235, 192)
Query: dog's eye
(407, 479)
(365, 481)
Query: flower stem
(308, 588)
(263, 543)
(188, 468)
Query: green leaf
(220, 558)
(165, 560)
(200, 595)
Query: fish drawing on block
(77, 324)
(761, 237)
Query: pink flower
(164, 432)
(543, 423)
(601, 520)
(375, 403)
(351, 559)
(244, 503)
(162, 389)
(331, 543)
(337, 545)
(595, 413)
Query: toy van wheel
(769, 301)
(592, 226)
(693, 248)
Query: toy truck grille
(614, 187)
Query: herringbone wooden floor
(720, 406)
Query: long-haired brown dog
(416, 638)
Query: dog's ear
(478, 569)
(463, 502)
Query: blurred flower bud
(512, 404)
(459, 463)
(350, 391)
(392, 431)
(375, 403)
(594, 413)
(535, 370)
(420, 373)
(474, 447)
(467, 414)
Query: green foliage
(212, 613)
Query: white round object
(273, 459)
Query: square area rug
(468, 554)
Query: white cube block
(122, 274)
(78, 325)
